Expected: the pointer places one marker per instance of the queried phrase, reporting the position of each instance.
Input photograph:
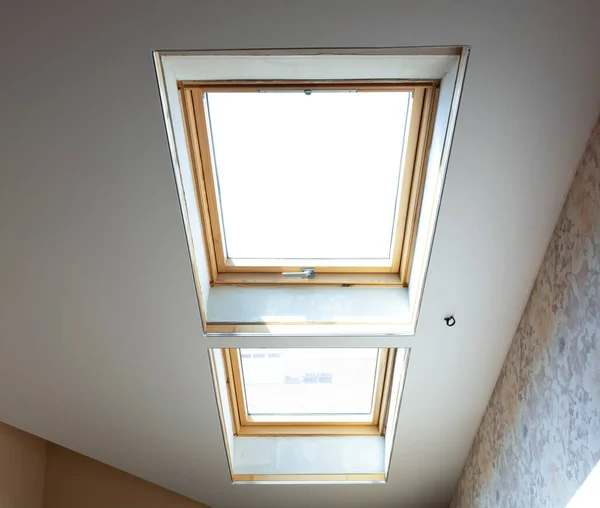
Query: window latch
(304, 273)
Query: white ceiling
(100, 345)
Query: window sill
(319, 455)
(326, 279)
(308, 310)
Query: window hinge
(304, 273)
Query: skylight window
(308, 183)
(313, 177)
(309, 382)
(308, 391)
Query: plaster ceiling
(100, 340)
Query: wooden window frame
(225, 271)
(246, 425)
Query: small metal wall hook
(450, 321)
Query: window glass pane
(308, 176)
(309, 381)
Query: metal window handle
(304, 273)
(305, 91)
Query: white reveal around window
(250, 297)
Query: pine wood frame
(225, 271)
(312, 478)
(246, 425)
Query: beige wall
(37, 474)
(76, 481)
(540, 436)
(22, 459)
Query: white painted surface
(211, 67)
(184, 180)
(395, 406)
(100, 338)
(220, 388)
(433, 185)
(284, 304)
(309, 455)
(259, 304)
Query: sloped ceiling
(100, 342)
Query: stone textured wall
(540, 436)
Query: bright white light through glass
(588, 494)
(309, 381)
(308, 176)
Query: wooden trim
(299, 86)
(378, 384)
(239, 400)
(200, 192)
(386, 391)
(416, 193)
(208, 175)
(304, 429)
(386, 272)
(231, 391)
(192, 138)
(254, 85)
(354, 477)
(409, 156)
(321, 279)
(247, 425)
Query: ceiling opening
(309, 182)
